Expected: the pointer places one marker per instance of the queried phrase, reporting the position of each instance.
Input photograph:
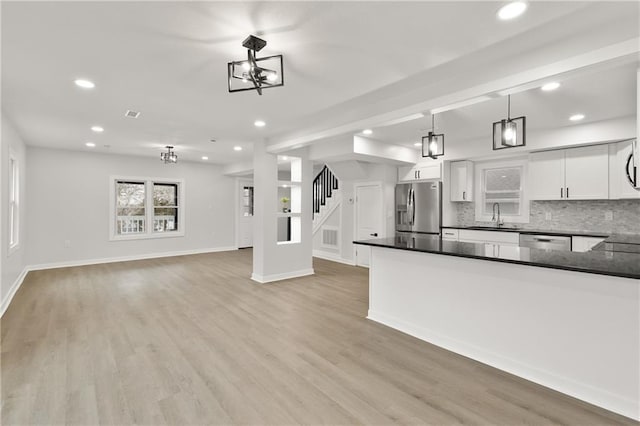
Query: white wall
(387, 176)
(11, 264)
(69, 199)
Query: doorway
(369, 218)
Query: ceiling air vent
(132, 114)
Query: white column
(273, 261)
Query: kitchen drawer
(450, 234)
(498, 237)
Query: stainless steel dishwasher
(545, 242)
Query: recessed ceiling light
(417, 144)
(576, 117)
(205, 158)
(367, 132)
(237, 148)
(512, 10)
(90, 144)
(259, 123)
(132, 114)
(550, 86)
(97, 129)
(85, 84)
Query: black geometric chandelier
(169, 157)
(509, 133)
(255, 73)
(432, 144)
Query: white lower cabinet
(450, 234)
(582, 244)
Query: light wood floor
(191, 340)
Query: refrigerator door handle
(413, 206)
(409, 206)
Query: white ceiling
(168, 60)
(599, 95)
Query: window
(502, 183)
(14, 206)
(146, 208)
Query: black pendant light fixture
(432, 144)
(509, 133)
(169, 157)
(255, 73)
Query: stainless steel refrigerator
(419, 208)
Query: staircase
(326, 196)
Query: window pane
(165, 194)
(507, 179)
(165, 219)
(247, 201)
(130, 194)
(130, 208)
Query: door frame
(240, 182)
(383, 230)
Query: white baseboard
(12, 291)
(613, 402)
(86, 262)
(332, 257)
(277, 277)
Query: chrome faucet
(496, 207)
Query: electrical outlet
(67, 243)
(608, 215)
(547, 216)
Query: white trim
(13, 290)
(127, 258)
(383, 226)
(262, 279)
(602, 398)
(333, 257)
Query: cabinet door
(407, 174)
(620, 187)
(546, 175)
(587, 173)
(461, 181)
(432, 171)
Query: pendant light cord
(509, 108)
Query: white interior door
(368, 219)
(245, 220)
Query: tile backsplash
(589, 216)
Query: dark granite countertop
(532, 231)
(620, 264)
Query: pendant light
(169, 157)
(509, 132)
(432, 144)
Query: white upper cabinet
(419, 172)
(461, 181)
(619, 185)
(570, 174)
(546, 175)
(587, 173)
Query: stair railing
(324, 184)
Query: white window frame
(149, 208)
(14, 203)
(480, 168)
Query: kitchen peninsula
(567, 320)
